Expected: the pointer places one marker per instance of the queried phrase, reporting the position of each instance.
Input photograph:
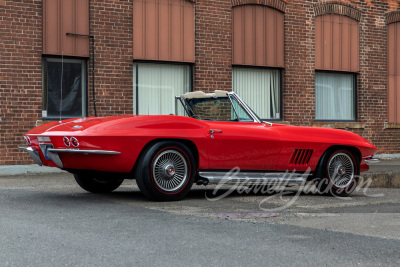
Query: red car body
(216, 145)
(245, 145)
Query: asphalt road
(47, 220)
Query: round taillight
(74, 142)
(67, 143)
(27, 140)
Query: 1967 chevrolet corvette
(166, 154)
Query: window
(335, 96)
(156, 86)
(260, 88)
(217, 109)
(64, 88)
(258, 57)
(336, 62)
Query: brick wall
(20, 75)
(213, 45)
(299, 73)
(299, 77)
(111, 23)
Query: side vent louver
(301, 157)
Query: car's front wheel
(166, 171)
(337, 173)
(97, 182)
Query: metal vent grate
(301, 157)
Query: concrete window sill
(339, 125)
(281, 122)
(389, 125)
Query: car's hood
(321, 135)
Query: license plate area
(45, 148)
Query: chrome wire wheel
(170, 170)
(341, 170)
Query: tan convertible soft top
(201, 94)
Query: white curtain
(260, 89)
(334, 96)
(156, 86)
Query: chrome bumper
(54, 154)
(33, 153)
(372, 161)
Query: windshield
(216, 109)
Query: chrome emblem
(171, 171)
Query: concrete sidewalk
(384, 174)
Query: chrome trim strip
(33, 153)
(79, 151)
(234, 108)
(372, 161)
(243, 105)
(176, 106)
(248, 178)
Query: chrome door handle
(214, 131)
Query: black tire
(97, 183)
(337, 173)
(166, 171)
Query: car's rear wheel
(166, 171)
(97, 182)
(337, 173)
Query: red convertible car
(166, 154)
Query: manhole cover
(243, 215)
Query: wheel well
(188, 143)
(353, 150)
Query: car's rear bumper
(34, 153)
(55, 157)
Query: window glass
(64, 88)
(260, 88)
(156, 85)
(243, 116)
(214, 109)
(334, 96)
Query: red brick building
(314, 63)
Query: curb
(388, 179)
(387, 156)
(10, 170)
